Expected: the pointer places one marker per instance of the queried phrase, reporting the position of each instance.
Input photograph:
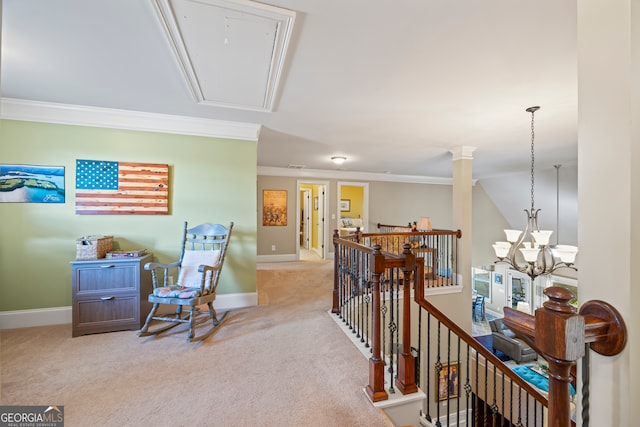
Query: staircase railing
(464, 382)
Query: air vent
(297, 166)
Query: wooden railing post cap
(559, 328)
(559, 300)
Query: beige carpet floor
(282, 363)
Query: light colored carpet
(282, 363)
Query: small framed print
(345, 205)
(447, 384)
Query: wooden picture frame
(447, 386)
(345, 205)
(274, 208)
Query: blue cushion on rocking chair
(178, 291)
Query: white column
(462, 208)
(608, 192)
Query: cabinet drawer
(107, 309)
(107, 276)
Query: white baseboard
(276, 258)
(36, 317)
(61, 315)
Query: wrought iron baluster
(584, 365)
(437, 375)
(467, 384)
(369, 309)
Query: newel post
(560, 337)
(406, 381)
(375, 388)
(559, 333)
(336, 278)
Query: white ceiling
(391, 85)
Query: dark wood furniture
(109, 294)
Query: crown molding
(362, 176)
(48, 112)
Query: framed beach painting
(31, 184)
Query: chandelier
(540, 257)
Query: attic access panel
(231, 52)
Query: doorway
(312, 209)
(519, 291)
(353, 202)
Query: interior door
(306, 218)
(319, 226)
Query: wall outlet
(273, 247)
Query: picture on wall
(274, 208)
(31, 184)
(447, 385)
(121, 188)
(345, 205)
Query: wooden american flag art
(121, 188)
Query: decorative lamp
(424, 224)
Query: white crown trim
(48, 112)
(362, 176)
(463, 153)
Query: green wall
(211, 180)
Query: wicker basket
(93, 247)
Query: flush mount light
(338, 160)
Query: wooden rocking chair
(202, 255)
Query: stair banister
(559, 333)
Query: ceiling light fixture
(338, 160)
(540, 257)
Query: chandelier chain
(532, 161)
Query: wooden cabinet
(109, 294)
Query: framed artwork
(447, 384)
(345, 205)
(121, 188)
(497, 278)
(31, 184)
(274, 208)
